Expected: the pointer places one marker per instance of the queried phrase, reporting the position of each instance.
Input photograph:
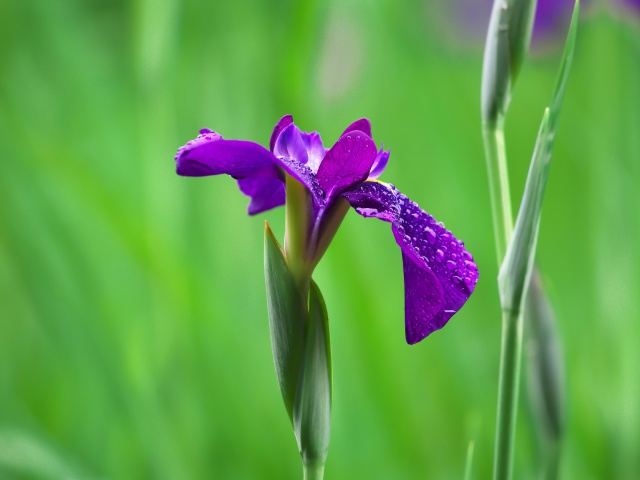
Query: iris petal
(347, 163)
(423, 298)
(426, 245)
(305, 176)
(380, 164)
(362, 124)
(315, 149)
(291, 145)
(210, 154)
(256, 169)
(265, 192)
(283, 123)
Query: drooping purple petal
(427, 246)
(210, 154)
(255, 168)
(265, 192)
(283, 123)
(423, 299)
(379, 164)
(347, 163)
(363, 125)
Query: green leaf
(312, 409)
(515, 271)
(516, 267)
(287, 308)
(565, 67)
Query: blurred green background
(134, 340)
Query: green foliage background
(133, 332)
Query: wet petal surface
(427, 246)
(347, 163)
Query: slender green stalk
(314, 471)
(511, 344)
(510, 358)
(496, 155)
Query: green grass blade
(516, 268)
(565, 67)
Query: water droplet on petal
(439, 255)
(430, 234)
(457, 279)
(450, 265)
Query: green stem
(496, 155)
(511, 346)
(295, 233)
(511, 353)
(314, 471)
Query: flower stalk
(506, 47)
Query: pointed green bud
(312, 407)
(287, 308)
(506, 47)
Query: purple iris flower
(439, 273)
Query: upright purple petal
(347, 163)
(283, 123)
(315, 149)
(426, 246)
(363, 125)
(379, 164)
(291, 145)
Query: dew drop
(450, 264)
(439, 255)
(430, 234)
(467, 280)
(470, 265)
(457, 279)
